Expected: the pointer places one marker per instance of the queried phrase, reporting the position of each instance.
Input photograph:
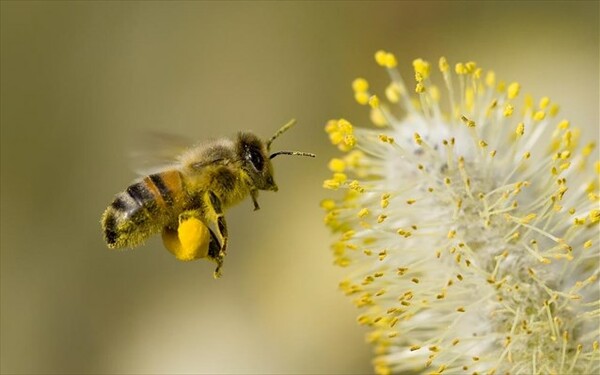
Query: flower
(469, 223)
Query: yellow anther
(587, 244)
(513, 90)
(327, 204)
(544, 102)
(564, 124)
(501, 87)
(539, 115)
(353, 158)
(418, 139)
(363, 213)
(490, 79)
(477, 73)
(554, 109)
(419, 88)
(392, 92)
(470, 67)
(340, 177)
(526, 155)
(520, 129)
(386, 139)
(374, 101)
(527, 219)
(378, 118)
(422, 67)
(508, 110)
(331, 184)
(381, 218)
(435, 93)
(443, 64)
(361, 97)
(360, 85)
(451, 234)
(350, 140)
(470, 123)
(385, 59)
(380, 57)
(461, 309)
(482, 143)
(564, 155)
(345, 126)
(594, 216)
(460, 69)
(337, 165)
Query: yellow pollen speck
(360, 85)
(513, 90)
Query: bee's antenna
(297, 153)
(279, 132)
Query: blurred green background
(81, 80)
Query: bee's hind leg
(215, 221)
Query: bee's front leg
(215, 221)
(254, 195)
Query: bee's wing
(157, 151)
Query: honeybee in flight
(193, 194)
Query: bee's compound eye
(256, 159)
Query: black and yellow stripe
(143, 209)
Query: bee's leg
(215, 221)
(254, 194)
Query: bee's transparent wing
(157, 151)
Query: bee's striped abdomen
(143, 209)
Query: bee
(187, 200)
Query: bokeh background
(80, 81)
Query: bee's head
(256, 159)
(254, 155)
